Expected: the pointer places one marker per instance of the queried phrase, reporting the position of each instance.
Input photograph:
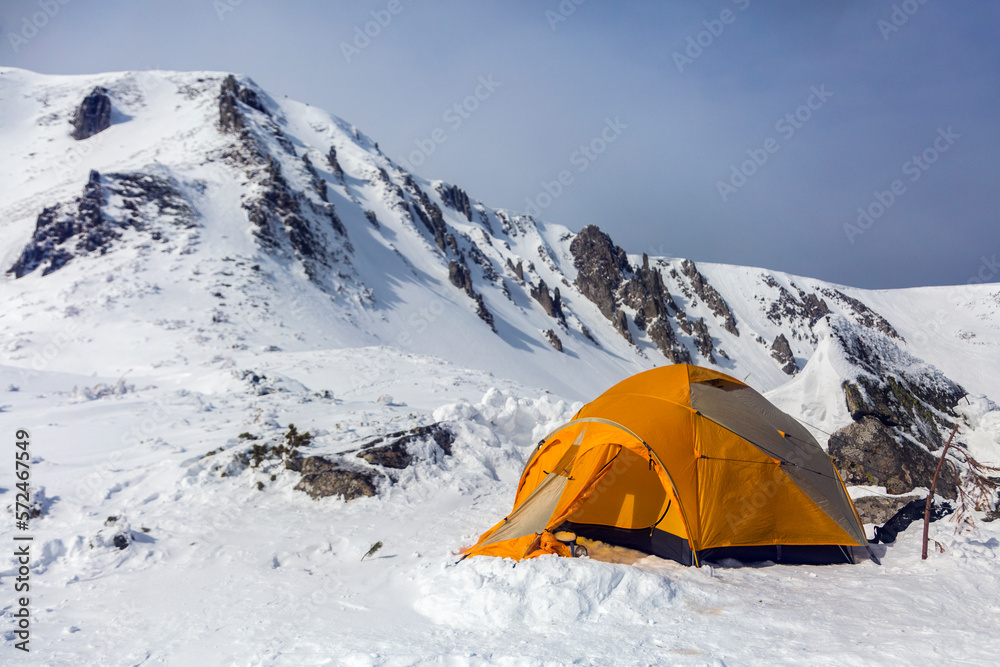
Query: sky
(855, 142)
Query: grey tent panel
(749, 415)
(534, 513)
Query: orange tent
(686, 463)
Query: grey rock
(335, 167)
(230, 117)
(551, 304)
(863, 315)
(554, 339)
(600, 265)
(781, 351)
(395, 453)
(146, 203)
(710, 296)
(93, 115)
(896, 388)
(869, 452)
(322, 477)
(879, 509)
(455, 197)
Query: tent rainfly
(685, 463)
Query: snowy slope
(133, 366)
(383, 283)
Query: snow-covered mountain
(186, 259)
(204, 209)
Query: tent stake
(930, 494)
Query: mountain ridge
(395, 254)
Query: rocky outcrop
(605, 277)
(662, 335)
(710, 296)
(896, 388)
(554, 340)
(279, 213)
(430, 215)
(322, 477)
(862, 314)
(460, 276)
(620, 321)
(879, 509)
(396, 452)
(230, 117)
(868, 452)
(331, 158)
(647, 295)
(317, 184)
(393, 455)
(600, 265)
(702, 338)
(93, 115)
(551, 303)
(455, 197)
(781, 351)
(517, 270)
(88, 224)
(788, 310)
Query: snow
(227, 574)
(135, 396)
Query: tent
(685, 463)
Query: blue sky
(743, 132)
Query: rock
(787, 310)
(428, 212)
(879, 509)
(388, 456)
(703, 339)
(396, 454)
(554, 339)
(455, 197)
(230, 117)
(331, 157)
(863, 315)
(620, 321)
(710, 296)
(459, 276)
(868, 452)
(93, 115)
(81, 226)
(895, 387)
(552, 305)
(600, 265)
(279, 213)
(782, 353)
(251, 99)
(322, 477)
(662, 334)
(483, 312)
